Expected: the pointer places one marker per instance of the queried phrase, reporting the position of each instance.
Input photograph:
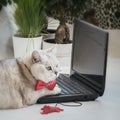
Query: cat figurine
(18, 78)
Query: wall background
(107, 13)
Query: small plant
(61, 9)
(30, 16)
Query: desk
(106, 107)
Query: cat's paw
(57, 90)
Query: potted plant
(60, 10)
(29, 16)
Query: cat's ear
(52, 50)
(36, 57)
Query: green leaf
(30, 16)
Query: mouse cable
(70, 104)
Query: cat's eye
(49, 68)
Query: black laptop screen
(89, 51)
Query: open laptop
(88, 67)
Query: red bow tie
(41, 84)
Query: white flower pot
(23, 45)
(63, 50)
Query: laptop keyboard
(71, 86)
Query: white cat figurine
(18, 78)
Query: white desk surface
(106, 107)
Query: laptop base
(72, 90)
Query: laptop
(86, 81)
